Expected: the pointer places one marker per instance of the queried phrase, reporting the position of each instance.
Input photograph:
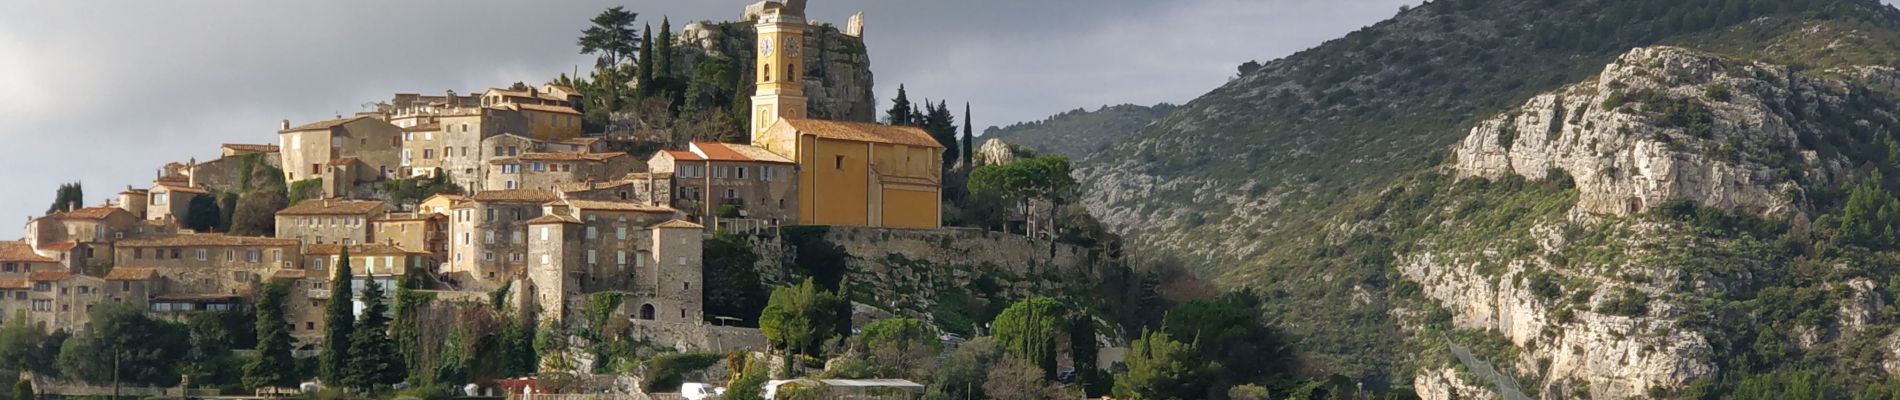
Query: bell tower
(780, 68)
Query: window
(621, 233)
(590, 257)
(741, 173)
(428, 154)
(544, 233)
(488, 237)
(512, 150)
(620, 257)
(682, 260)
(136, 254)
(253, 255)
(488, 256)
(201, 255)
(592, 234)
(491, 216)
(230, 255)
(545, 260)
(498, 151)
(840, 162)
(732, 193)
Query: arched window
(768, 72)
(646, 312)
(791, 74)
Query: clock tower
(780, 70)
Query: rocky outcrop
(1663, 124)
(837, 75)
(998, 152)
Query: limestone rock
(1662, 124)
(997, 152)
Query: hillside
(1524, 177)
(1078, 132)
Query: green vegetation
(273, 365)
(201, 214)
(67, 197)
(798, 319)
(124, 345)
(24, 347)
(1030, 329)
(733, 286)
(338, 324)
(899, 347)
(666, 371)
(1160, 368)
(302, 190)
(374, 361)
(412, 191)
(1078, 133)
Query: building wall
(494, 147)
(910, 207)
(701, 194)
(552, 126)
(424, 151)
(430, 235)
(303, 154)
(835, 176)
(224, 270)
(327, 229)
(677, 276)
(222, 175)
(167, 205)
(470, 246)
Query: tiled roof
(206, 240)
(100, 212)
(405, 217)
(357, 250)
(680, 224)
(14, 283)
(21, 252)
(131, 274)
(261, 148)
(333, 207)
(561, 156)
(514, 196)
(863, 132)
(429, 127)
(738, 152)
(134, 191)
(553, 219)
(167, 185)
(683, 155)
(581, 141)
(547, 108)
(289, 274)
(48, 276)
(323, 125)
(600, 205)
(58, 246)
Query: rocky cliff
(837, 75)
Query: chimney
(283, 125)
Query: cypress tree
(968, 148)
(900, 113)
(645, 76)
(22, 390)
(664, 64)
(338, 322)
(374, 361)
(273, 366)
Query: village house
(849, 173)
(342, 152)
(580, 247)
(17, 259)
(330, 221)
(489, 244)
(201, 264)
(131, 285)
(545, 171)
(14, 293)
(82, 239)
(439, 203)
(61, 300)
(746, 182)
(652, 188)
(387, 265)
(420, 232)
(170, 198)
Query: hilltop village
(501, 194)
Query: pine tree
(374, 361)
(645, 76)
(900, 113)
(663, 65)
(969, 148)
(942, 126)
(273, 366)
(22, 390)
(67, 197)
(338, 322)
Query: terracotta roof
(323, 125)
(405, 217)
(717, 151)
(581, 141)
(547, 108)
(134, 191)
(452, 197)
(262, 148)
(58, 246)
(167, 185)
(561, 156)
(131, 274)
(100, 212)
(680, 224)
(600, 205)
(21, 252)
(429, 127)
(289, 274)
(357, 250)
(48, 276)
(864, 132)
(206, 240)
(553, 219)
(683, 155)
(14, 283)
(333, 207)
(515, 196)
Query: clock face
(765, 46)
(791, 47)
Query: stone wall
(699, 336)
(224, 174)
(838, 77)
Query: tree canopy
(1030, 330)
(145, 351)
(339, 323)
(1159, 368)
(799, 318)
(67, 197)
(273, 365)
(611, 38)
(374, 359)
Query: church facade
(849, 173)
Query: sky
(105, 92)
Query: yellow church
(849, 173)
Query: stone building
(652, 188)
(170, 198)
(850, 173)
(15, 291)
(342, 152)
(201, 264)
(330, 221)
(18, 259)
(62, 300)
(439, 203)
(420, 232)
(384, 264)
(546, 171)
(580, 247)
(225, 173)
(131, 286)
(82, 238)
(708, 176)
(489, 245)
(239, 149)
